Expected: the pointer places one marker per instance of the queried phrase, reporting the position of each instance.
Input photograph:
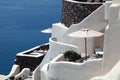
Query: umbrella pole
(85, 48)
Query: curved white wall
(36, 74)
(74, 71)
(57, 48)
(41, 71)
(45, 68)
(58, 30)
(44, 72)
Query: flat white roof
(31, 54)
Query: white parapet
(107, 4)
(114, 11)
(44, 72)
(23, 74)
(57, 48)
(116, 2)
(113, 74)
(64, 70)
(58, 30)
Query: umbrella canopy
(49, 30)
(85, 33)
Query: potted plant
(71, 56)
(12, 77)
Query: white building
(106, 19)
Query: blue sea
(20, 24)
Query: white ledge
(85, 2)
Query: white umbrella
(49, 30)
(85, 33)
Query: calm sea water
(20, 24)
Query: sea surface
(20, 24)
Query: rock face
(75, 12)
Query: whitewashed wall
(58, 30)
(95, 21)
(44, 72)
(112, 40)
(113, 74)
(74, 71)
(116, 2)
(36, 74)
(57, 48)
(107, 4)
